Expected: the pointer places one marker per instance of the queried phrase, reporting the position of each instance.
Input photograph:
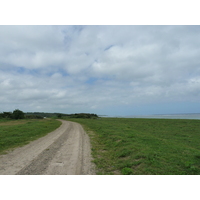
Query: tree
(7, 114)
(18, 114)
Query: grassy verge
(144, 146)
(15, 133)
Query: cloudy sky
(111, 70)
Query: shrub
(18, 114)
(7, 115)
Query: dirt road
(65, 151)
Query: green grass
(15, 133)
(144, 146)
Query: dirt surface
(65, 151)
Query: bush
(18, 114)
(7, 115)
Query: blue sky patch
(91, 81)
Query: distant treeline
(18, 114)
(83, 115)
(60, 115)
(42, 114)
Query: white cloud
(89, 68)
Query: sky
(108, 70)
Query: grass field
(144, 146)
(15, 133)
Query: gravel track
(65, 151)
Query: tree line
(18, 114)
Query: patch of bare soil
(65, 151)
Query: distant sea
(164, 116)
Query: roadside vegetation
(144, 146)
(15, 133)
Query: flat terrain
(65, 151)
(144, 146)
